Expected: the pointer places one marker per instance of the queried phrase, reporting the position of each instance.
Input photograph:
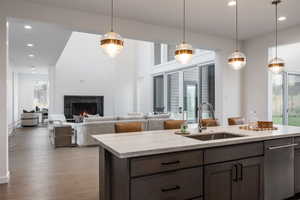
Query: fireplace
(78, 105)
(81, 108)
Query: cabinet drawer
(227, 153)
(165, 162)
(178, 185)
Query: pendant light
(276, 65)
(184, 52)
(237, 60)
(112, 43)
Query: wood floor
(39, 172)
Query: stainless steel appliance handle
(282, 146)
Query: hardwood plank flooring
(40, 172)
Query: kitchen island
(218, 164)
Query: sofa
(29, 119)
(106, 125)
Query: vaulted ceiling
(207, 16)
(48, 40)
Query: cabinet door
(221, 181)
(297, 170)
(250, 177)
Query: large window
(190, 93)
(158, 85)
(173, 92)
(41, 94)
(286, 99)
(186, 89)
(277, 98)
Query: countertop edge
(246, 139)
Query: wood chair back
(236, 121)
(173, 124)
(125, 127)
(209, 122)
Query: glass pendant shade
(112, 44)
(237, 60)
(276, 65)
(184, 53)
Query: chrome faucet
(211, 112)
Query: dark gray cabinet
(232, 172)
(219, 181)
(297, 171)
(297, 165)
(242, 179)
(251, 179)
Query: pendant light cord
(184, 25)
(236, 27)
(112, 16)
(276, 27)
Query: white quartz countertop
(137, 144)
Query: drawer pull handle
(234, 173)
(177, 187)
(242, 171)
(171, 163)
(282, 146)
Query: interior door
(191, 100)
(293, 107)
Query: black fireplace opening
(79, 105)
(84, 108)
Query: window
(277, 98)
(286, 99)
(207, 90)
(157, 54)
(41, 94)
(170, 52)
(293, 99)
(173, 92)
(190, 93)
(158, 85)
(186, 88)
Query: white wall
(26, 83)
(10, 100)
(255, 76)
(15, 97)
(4, 171)
(144, 76)
(83, 69)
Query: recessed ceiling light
(31, 55)
(30, 45)
(282, 18)
(231, 3)
(28, 27)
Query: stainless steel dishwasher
(279, 169)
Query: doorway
(191, 100)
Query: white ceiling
(207, 16)
(49, 41)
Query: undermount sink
(214, 136)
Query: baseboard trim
(5, 179)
